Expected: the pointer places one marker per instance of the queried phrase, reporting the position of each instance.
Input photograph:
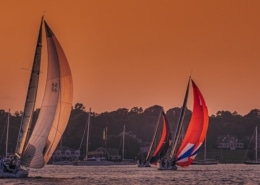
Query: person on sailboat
(12, 163)
(163, 162)
(141, 162)
(173, 163)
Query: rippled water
(132, 175)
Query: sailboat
(256, 161)
(35, 146)
(205, 160)
(184, 151)
(90, 161)
(160, 142)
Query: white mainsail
(55, 109)
(31, 96)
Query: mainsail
(55, 109)
(31, 96)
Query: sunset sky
(126, 53)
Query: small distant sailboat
(34, 149)
(91, 161)
(256, 161)
(205, 160)
(184, 151)
(159, 144)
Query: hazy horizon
(138, 53)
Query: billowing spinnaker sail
(205, 124)
(163, 144)
(65, 100)
(55, 109)
(31, 96)
(194, 130)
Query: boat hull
(21, 173)
(166, 166)
(252, 162)
(205, 162)
(144, 165)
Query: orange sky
(126, 53)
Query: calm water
(132, 175)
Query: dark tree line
(139, 127)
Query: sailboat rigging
(90, 161)
(256, 161)
(184, 153)
(86, 157)
(7, 133)
(205, 160)
(160, 142)
(36, 148)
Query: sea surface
(132, 175)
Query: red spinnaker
(196, 130)
(163, 144)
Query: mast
(86, 157)
(31, 97)
(205, 148)
(7, 134)
(105, 136)
(180, 122)
(123, 152)
(256, 144)
(154, 136)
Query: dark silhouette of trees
(139, 127)
(79, 106)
